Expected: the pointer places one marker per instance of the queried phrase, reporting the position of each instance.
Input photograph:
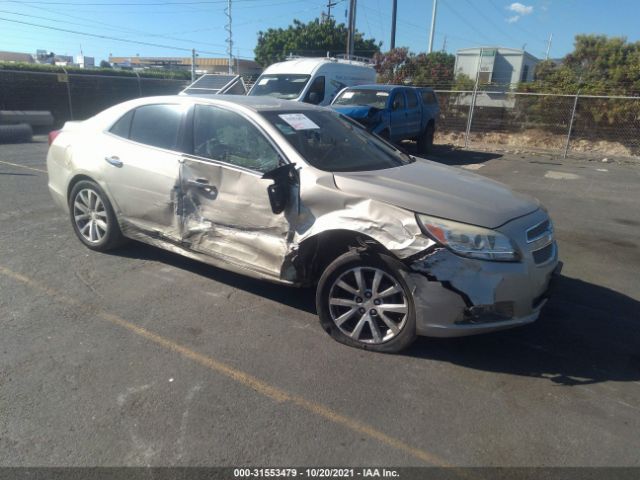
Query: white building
(498, 65)
(85, 62)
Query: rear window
(428, 97)
(122, 127)
(157, 125)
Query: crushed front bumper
(456, 296)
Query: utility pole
(329, 5)
(394, 13)
(352, 28)
(227, 12)
(549, 46)
(444, 44)
(433, 25)
(193, 65)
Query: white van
(312, 80)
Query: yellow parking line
(23, 166)
(239, 376)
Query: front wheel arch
(318, 251)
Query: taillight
(52, 136)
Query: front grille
(538, 231)
(544, 254)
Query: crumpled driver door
(226, 214)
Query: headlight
(469, 240)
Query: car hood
(355, 111)
(441, 191)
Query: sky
(174, 27)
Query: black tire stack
(17, 126)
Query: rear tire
(425, 141)
(93, 218)
(363, 301)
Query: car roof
(255, 103)
(385, 88)
(308, 65)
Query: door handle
(198, 182)
(113, 160)
(203, 184)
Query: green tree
(310, 39)
(597, 65)
(431, 69)
(423, 69)
(463, 82)
(390, 65)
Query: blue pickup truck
(394, 112)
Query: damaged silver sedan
(398, 246)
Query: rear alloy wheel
(363, 302)
(93, 218)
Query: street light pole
(433, 25)
(352, 28)
(393, 24)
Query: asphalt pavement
(141, 357)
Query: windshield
(373, 98)
(332, 142)
(285, 86)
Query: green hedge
(36, 67)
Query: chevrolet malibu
(396, 246)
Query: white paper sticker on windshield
(347, 95)
(298, 121)
(382, 94)
(263, 81)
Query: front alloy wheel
(363, 301)
(368, 305)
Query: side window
(398, 102)
(228, 137)
(157, 125)
(412, 100)
(122, 127)
(315, 94)
(428, 98)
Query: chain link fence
(554, 123)
(76, 96)
(500, 119)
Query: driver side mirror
(279, 191)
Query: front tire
(363, 301)
(93, 218)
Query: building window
(525, 73)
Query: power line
(186, 40)
(471, 25)
(519, 26)
(107, 4)
(107, 37)
(481, 13)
